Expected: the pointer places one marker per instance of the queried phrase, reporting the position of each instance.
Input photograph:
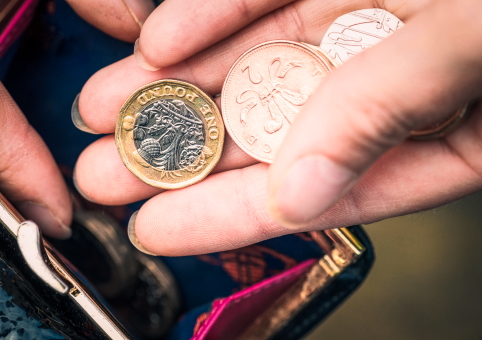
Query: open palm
(346, 159)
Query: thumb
(371, 104)
(29, 177)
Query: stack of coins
(170, 134)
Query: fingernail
(76, 185)
(311, 186)
(141, 61)
(77, 119)
(132, 235)
(48, 223)
(139, 9)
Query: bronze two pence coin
(169, 134)
(265, 91)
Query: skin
(353, 165)
(346, 159)
(29, 177)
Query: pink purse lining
(15, 27)
(249, 302)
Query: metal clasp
(31, 246)
(341, 249)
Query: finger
(199, 219)
(172, 32)
(168, 38)
(370, 104)
(101, 176)
(121, 19)
(29, 177)
(106, 91)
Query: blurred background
(426, 282)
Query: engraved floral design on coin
(357, 31)
(169, 134)
(265, 91)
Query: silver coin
(357, 31)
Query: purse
(137, 296)
(276, 289)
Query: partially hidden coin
(357, 31)
(442, 129)
(265, 90)
(169, 134)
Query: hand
(346, 159)
(29, 177)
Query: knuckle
(14, 148)
(289, 16)
(242, 8)
(243, 195)
(252, 196)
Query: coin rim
(158, 184)
(320, 54)
(445, 127)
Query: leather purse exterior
(51, 296)
(46, 297)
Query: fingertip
(101, 177)
(141, 60)
(50, 224)
(79, 123)
(310, 186)
(77, 187)
(131, 231)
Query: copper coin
(169, 134)
(357, 31)
(439, 130)
(264, 93)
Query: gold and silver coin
(169, 134)
(357, 31)
(265, 90)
